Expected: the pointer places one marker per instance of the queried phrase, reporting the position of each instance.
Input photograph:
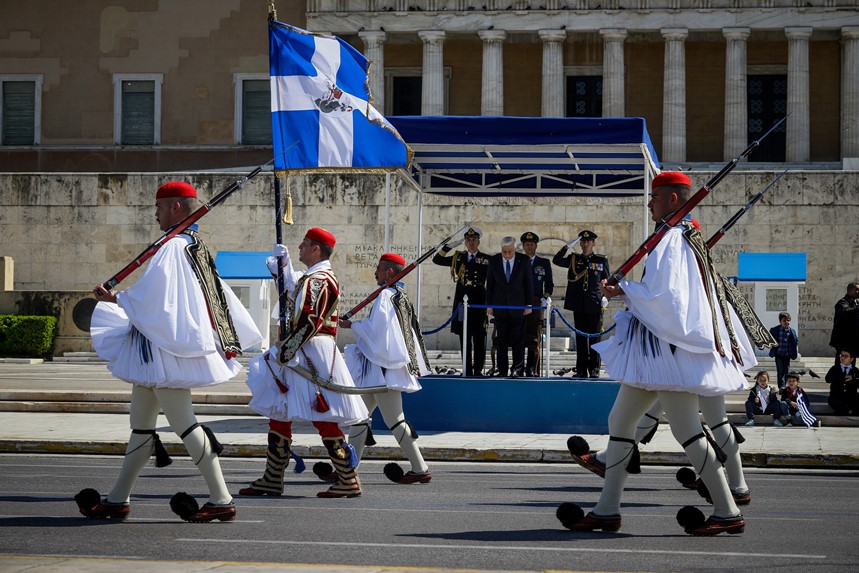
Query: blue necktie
(508, 271)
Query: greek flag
(320, 99)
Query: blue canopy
(524, 156)
(772, 267)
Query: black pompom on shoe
(393, 472)
(578, 446)
(690, 518)
(87, 498)
(569, 513)
(184, 505)
(686, 476)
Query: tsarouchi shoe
(573, 518)
(716, 525)
(252, 491)
(412, 477)
(91, 505)
(591, 463)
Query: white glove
(455, 244)
(573, 243)
(604, 302)
(280, 250)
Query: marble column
(613, 72)
(492, 96)
(553, 72)
(674, 95)
(736, 96)
(432, 93)
(798, 143)
(374, 50)
(850, 92)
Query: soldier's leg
(478, 328)
(360, 434)
(581, 345)
(276, 461)
(713, 410)
(644, 430)
(342, 458)
(630, 404)
(681, 408)
(143, 419)
(391, 407)
(176, 404)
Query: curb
(756, 460)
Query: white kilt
(297, 404)
(366, 373)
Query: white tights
(713, 410)
(390, 404)
(681, 408)
(176, 404)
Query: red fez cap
(321, 236)
(696, 224)
(670, 178)
(176, 189)
(393, 258)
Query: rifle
(400, 275)
(181, 226)
(650, 243)
(724, 229)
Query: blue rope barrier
(448, 321)
(579, 332)
(506, 306)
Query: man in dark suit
(583, 297)
(468, 270)
(508, 283)
(541, 276)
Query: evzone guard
(658, 353)
(178, 327)
(288, 382)
(389, 351)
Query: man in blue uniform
(468, 269)
(541, 274)
(583, 297)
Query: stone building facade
(78, 165)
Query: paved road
(472, 516)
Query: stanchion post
(464, 330)
(548, 347)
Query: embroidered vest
(216, 302)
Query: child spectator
(786, 350)
(843, 381)
(794, 403)
(763, 399)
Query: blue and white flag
(320, 102)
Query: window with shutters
(584, 96)
(767, 104)
(137, 109)
(20, 109)
(252, 109)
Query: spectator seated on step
(763, 399)
(794, 403)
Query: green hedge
(27, 335)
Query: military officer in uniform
(541, 275)
(583, 297)
(468, 269)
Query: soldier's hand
(103, 295)
(454, 244)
